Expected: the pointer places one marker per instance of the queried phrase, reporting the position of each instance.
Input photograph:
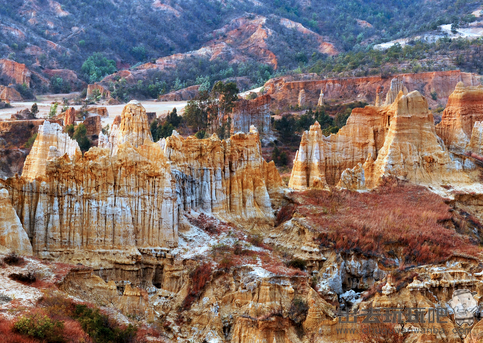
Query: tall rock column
(12, 233)
(464, 109)
(134, 128)
(51, 142)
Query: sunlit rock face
(130, 192)
(12, 235)
(396, 140)
(464, 109)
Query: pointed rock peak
(460, 85)
(315, 127)
(253, 129)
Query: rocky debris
(464, 109)
(12, 234)
(23, 115)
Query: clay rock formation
(69, 116)
(464, 109)
(412, 149)
(129, 193)
(320, 102)
(17, 72)
(398, 140)
(228, 178)
(397, 85)
(379, 92)
(92, 88)
(185, 94)
(285, 90)
(254, 112)
(301, 100)
(12, 233)
(134, 127)
(93, 126)
(50, 144)
(9, 94)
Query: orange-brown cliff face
(15, 71)
(9, 94)
(285, 90)
(398, 140)
(464, 109)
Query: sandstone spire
(397, 85)
(51, 143)
(464, 108)
(134, 127)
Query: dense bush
(40, 326)
(100, 328)
(96, 67)
(80, 135)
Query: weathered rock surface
(285, 90)
(464, 108)
(104, 92)
(228, 178)
(185, 94)
(17, 72)
(398, 140)
(254, 112)
(93, 126)
(134, 127)
(132, 198)
(69, 116)
(397, 85)
(12, 234)
(9, 94)
(51, 143)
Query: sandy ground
(44, 102)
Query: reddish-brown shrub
(285, 214)
(199, 278)
(7, 334)
(396, 220)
